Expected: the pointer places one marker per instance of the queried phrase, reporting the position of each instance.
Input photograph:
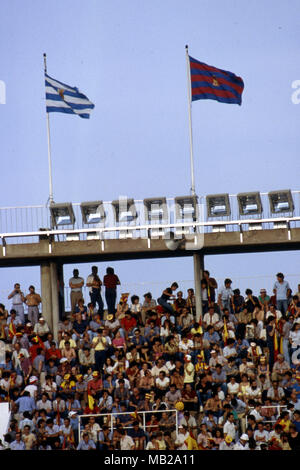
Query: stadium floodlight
(156, 209)
(92, 212)
(62, 214)
(125, 210)
(186, 208)
(218, 205)
(249, 203)
(281, 201)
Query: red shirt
(110, 281)
(128, 323)
(53, 353)
(94, 385)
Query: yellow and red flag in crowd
(191, 443)
(12, 330)
(225, 333)
(124, 297)
(91, 401)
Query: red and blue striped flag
(211, 83)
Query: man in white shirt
(183, 434)
(18, 300)
(260, 434)
(229, 427)
(210, 318)
(273, 312)
(243, 443)
(126, 442)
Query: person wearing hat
(227, 443)
(282, 291)
(264, 300)
(183, 434)
(41, 328)
(188, 370)
(112, 324)
(243, 443)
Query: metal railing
(277, 411)
(111, 419)
(22, 224)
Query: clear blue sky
(129, 58)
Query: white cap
(63, 359)
(42, 318)
(72, 413)
(244, 437)
(188, 357)
(213, 351)
(253, 344)
(32, 379)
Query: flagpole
(49, 147)
(190, 120)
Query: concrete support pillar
(61, 290)
(46, 293)
(198, 275)
(54, 298)
(49, 293)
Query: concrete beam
(32, 254)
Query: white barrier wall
(4, 419)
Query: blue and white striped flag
(62, 98)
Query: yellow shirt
(99, 343)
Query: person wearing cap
(227, 443)
(112, 324)
(183, 434)
(243, 443)
(41, 328)
(33, 300)
(264, 300)
(188, 370)
(282, 291)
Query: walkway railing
(22, 224)
(109, 419)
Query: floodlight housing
(125, 210)
(62, 214)
(156, 209)
(281, 201)
(186, 208)
(249, 203)
(217, 205)
(92, 212)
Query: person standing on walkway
(75, 283)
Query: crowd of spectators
(160, 377)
